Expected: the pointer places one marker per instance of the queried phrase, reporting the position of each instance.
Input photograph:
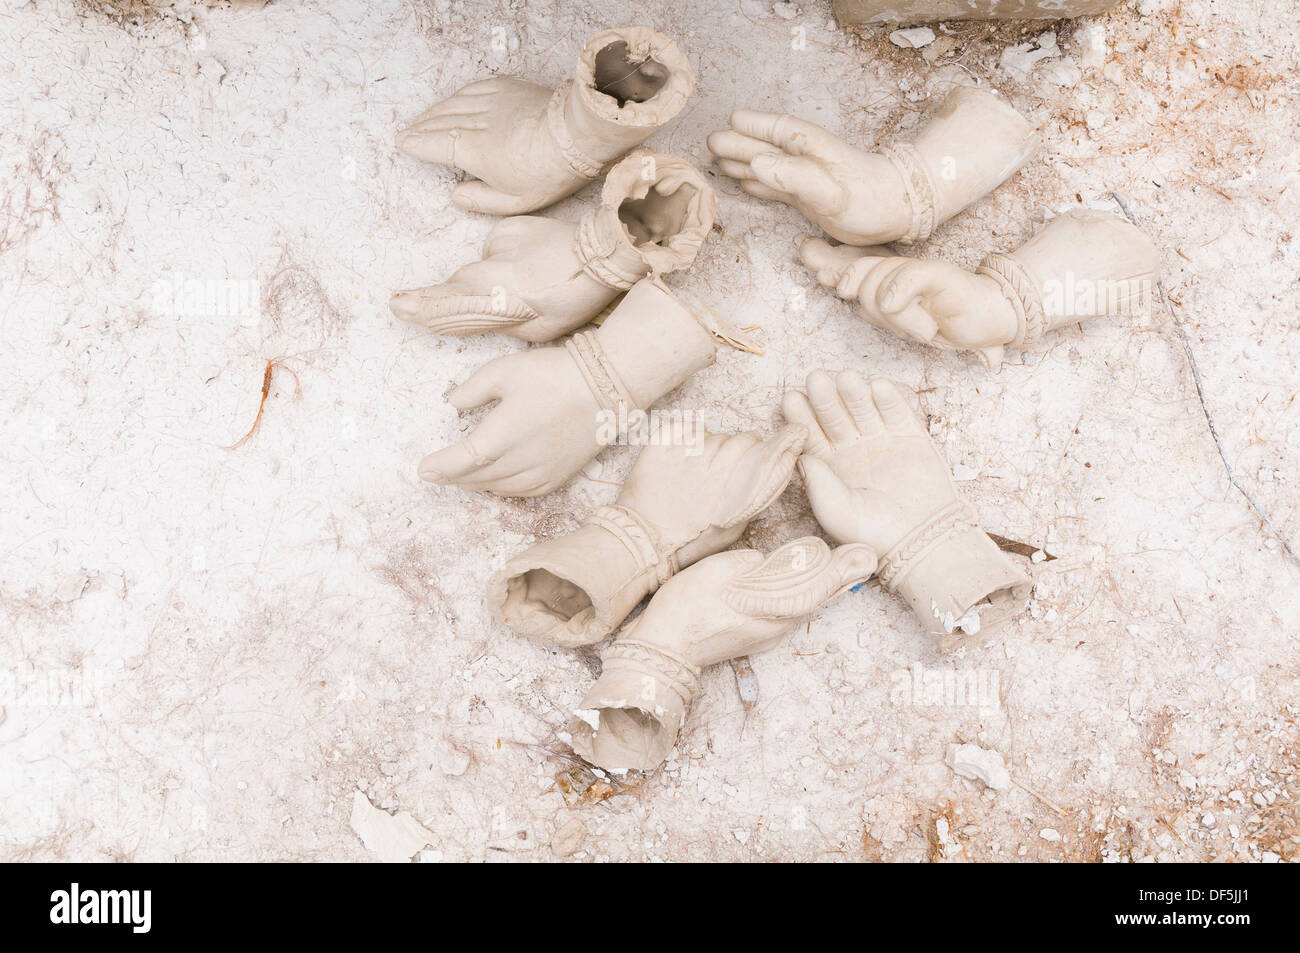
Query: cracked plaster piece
(540, 278)
(734, 603)
(979, 764)
(874, 476)
(899, 193)
(558, 406)
(1081, 265)
(858, 12)
(685, 499)
(528, 146)
(395, 838)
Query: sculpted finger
(797, 410)
(894, 408)
(729, 144)
(795, 136)
(476, 196)
(834, 417)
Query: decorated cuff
(919, 188)
(957, 581)
(579, 162)
(1018, 287)
(607, 255)
(630, 718)
(602, 378)
(576, 589)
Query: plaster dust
(207, 651)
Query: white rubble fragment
(785, 10)
(912, 39)
(1020, 60)
(1090, 39)
(962, 473)
(979, 764)
(969, 623)
(1063, 73)
(1050, 834)
(1207, 819)
(394, 838)
(569, 837)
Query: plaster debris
(1090, 40)
(1050, 834)
(979, 764)
(394, 838)
(912, 39)
(569, 837)
(1020, 60)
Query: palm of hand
(871, 472)
(853, 195)
(897, 481)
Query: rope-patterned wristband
(953, 519)
(919, 187)
(639, 539)
(680, 675)
(579, 163)
(596, 244)
(1020, 291)
(606, 386)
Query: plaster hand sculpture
(873, 476)
(899, 193)
(684, 500)
(540, 279)
(1081, 265)
(556, 403)
(528, 146)
(735, 603)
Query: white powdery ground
(206, 650)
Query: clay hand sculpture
(1081, 265)
(557, 403)
(899, 193)
(873, 476)
(735, 603)
(685, 499)
(528, 146)
(540, 279)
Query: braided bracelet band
(596, 244)
(580, 164)
(638, 538)
(919, 187)
(681, 675)
(606, 386)
(1019, 289)
(916, 545)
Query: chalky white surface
(207, 651)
